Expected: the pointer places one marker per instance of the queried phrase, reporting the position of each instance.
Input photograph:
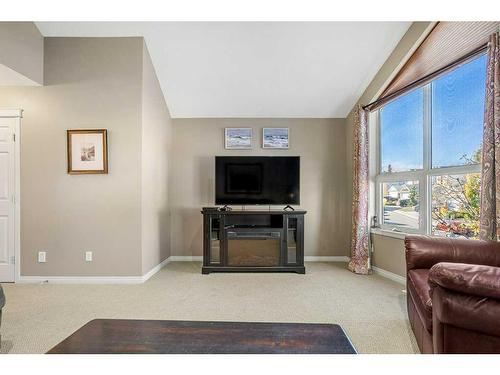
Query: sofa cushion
(418, 288)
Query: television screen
(257, 180)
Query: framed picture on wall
(238, 138)
(275, 138)
(87, 151)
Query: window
(400, 204)
(457, 115)
(401, 130)
(455, 205)
(429, 154)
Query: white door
(7, 198)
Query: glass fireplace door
(215, 240)
(249, 248)
(294, 240)
(291, 250)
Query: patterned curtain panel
(490, 173)
(360, 232)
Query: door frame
(17, 114)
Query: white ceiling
(256, 69)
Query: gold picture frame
(87, 151)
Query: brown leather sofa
(453, 294)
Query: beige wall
(89, 83)
(156, 140)
(319, 142)
(161, 171)
(21, 50)
(388, 254)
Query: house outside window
(428, 154)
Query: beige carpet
(371, 309)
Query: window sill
(388, 233)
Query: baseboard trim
(93, 279)
(148, 275)
(389, 275)
(185, 258)
(326, 258)
(80, 280)
(188, 258)
(155, 269)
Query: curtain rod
(428, 77)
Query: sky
(457, 121)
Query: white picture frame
(238, 138)
(276, 138)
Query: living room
(255, 187)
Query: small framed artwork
(238, 138)
(275, 138)
(87, 151)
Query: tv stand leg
(288, 207)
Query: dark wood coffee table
(113, 336)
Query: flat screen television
(248, 180)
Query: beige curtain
(359, 262)
(490, 173)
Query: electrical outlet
(88, 256)
(42, 256)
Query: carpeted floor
(371, 309)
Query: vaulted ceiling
(256, 69)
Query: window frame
(423, 176)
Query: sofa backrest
(426, 251)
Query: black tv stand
(288, 207)
(253, 241)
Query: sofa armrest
(477, 280)
(426, 251)
(465, 311)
